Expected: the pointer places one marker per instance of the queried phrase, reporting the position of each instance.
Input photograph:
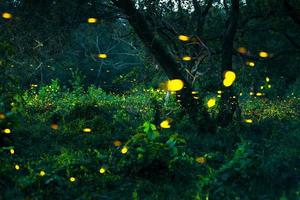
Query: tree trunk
(228, 104)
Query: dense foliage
(150, 99)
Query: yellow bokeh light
(195, 92)
(7, 131)
(186, 58)
(102, 170)
(267, 79)
(269, 86)
(12, 151)
(117, 143)
(17, 167)
(211, 102)
(219, 92)
(259, 94)
(174, 85)
(201, 159)
(249, 121)
(72, 179)
(263, 54)
(42, 173)
(92, 20)
(165, 124)
(6, 15)
(2, 116)
(242, 50)
(124, 150)
(227, 82)
(87, 130)
(250, 63)
(54, 126)
(102, 55)
(230, 75)
(183, 38)
(251, 93)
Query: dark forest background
(87, 111)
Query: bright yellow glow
(241, 94)
(259, 94)
(117, 143)
(195, 92)
(6, 15)
(175, 85)
(261, 87)
(7, 131)
(102, 55)
(124, 150)
(269, 86)
(196, 97)
(183, 38)
(267, 79)
(230, 77)
(12, 151)
(102, 170)
(165, 124)
(17, 167)
(201, 159)
(227, 83)
(186, 58)
(251, 63)
(211, 102)
(219, 92)
(72, 179)
(54, 126)
(219, 96)
(42, 173)
(251, 93)
(242, 50)
(87, 130)
(249, 121)
(92, 20)
(263, 54)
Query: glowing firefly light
(211, 102)
(54, 126)
(183, 38)
(165, 124)
(242, 50)
(12, 151)
(87, 130)
(2, 116)
(248, 121)
(102, 170)
(124, 150)
(263, 54)
(201, 159)
(7, 131)
(6, 15)
(72, 179)
(174, 85)
(42, 173)
(102, 55)
(186, 58)
(117, 143)
(17, 167)
(250, 63)
(92, 20)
